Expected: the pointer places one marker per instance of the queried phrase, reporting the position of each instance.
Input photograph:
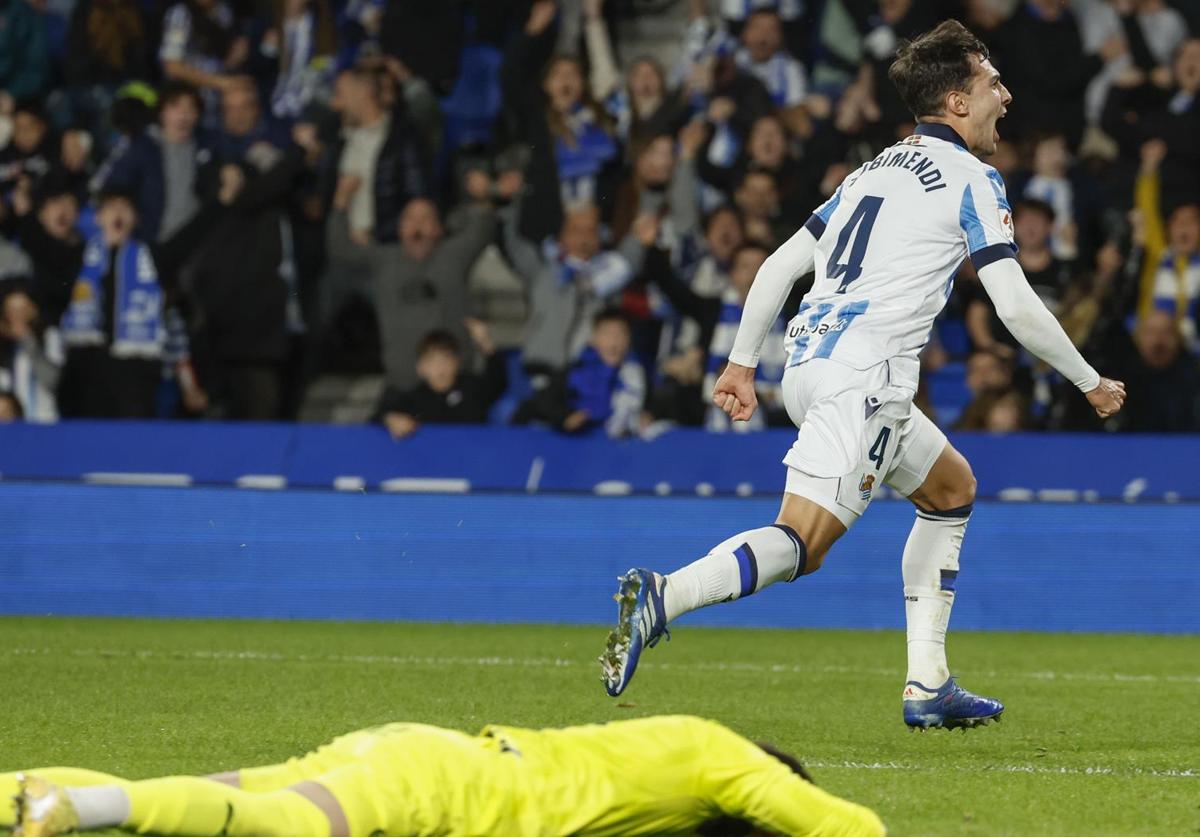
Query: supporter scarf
(137, 330)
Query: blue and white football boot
(641, 623)
(950, 707)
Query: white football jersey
(889, 243)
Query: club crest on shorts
(865, 485)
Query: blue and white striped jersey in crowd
(742, 9)
(580, 162)
(22, 374)
(1060, 195)
(782, 74)
(177, 37)
(305, 73)
(767, 375)
(889, 244)
(1177, 291)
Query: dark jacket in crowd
(427, 35)
(138, 169)
(402, 172)
(56, 265)
(467, 402)
(1162, 400)
(85, 66)
(24, 50)
(1046, 69)
(1134, 115)
(235, 279)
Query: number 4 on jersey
(859, 226)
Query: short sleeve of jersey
(985, 217)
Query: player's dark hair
(438, 340)
(934, 64)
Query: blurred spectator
(642, 107)
(108, 43)
(1050, 184)
(24, 51)
(302, 43)
(1049, 276)
(1152, 29)
(201, 45)
(168, 169)
(242, 281)
(446, 394)
(989, 378)
(372, 172)
(243, 124)
(49, 236)
(10, 408)
(14, 263)
(552, 108)
(26, 159)
(31, 355)
(603, 388)
(115, 327)
(569, 279)
(1171, 251)
(1165, 108)
(421, 281)
(1040, 52)
(1177, 280)
(757, 196)
(1162, 380)
(427, 38)
(718, 319)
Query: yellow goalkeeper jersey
(662, 775)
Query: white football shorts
(856, 431)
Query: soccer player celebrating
(648, 776)
(885, 248)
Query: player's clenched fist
(1108, 398)
(734, 392)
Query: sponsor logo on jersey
(1006, 222)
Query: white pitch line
(560, 662)
(1008, 768)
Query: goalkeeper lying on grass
(647, 776)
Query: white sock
(100, 806)
(742, 565)
(930, 569)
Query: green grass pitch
(1099, 736)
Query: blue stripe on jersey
(814, 320)
(968, 219)
(845, 319)
(997, 182)
(825, 210)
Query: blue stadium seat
(948, 391)
(472, 106)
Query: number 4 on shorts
(879, 449)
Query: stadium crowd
(208, 206)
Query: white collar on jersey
(942, 132)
